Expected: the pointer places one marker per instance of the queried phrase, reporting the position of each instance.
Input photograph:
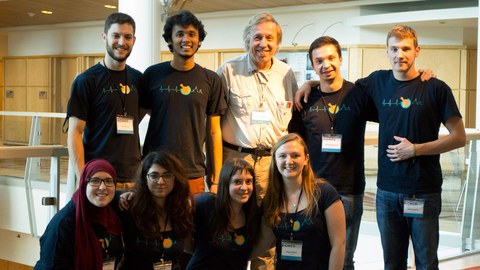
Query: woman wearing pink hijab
(86, 233)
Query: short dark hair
(120, 18)
(322, 41)
(183, 18)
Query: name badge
(124, 124)
(260, 116)
(291, 250)
(413, 207)
(163, 265)
(109, 264)
(332, 143)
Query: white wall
(82, 38)
(225, 30)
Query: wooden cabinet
(1, 99)
(27, 88)
(14, 127)
(15, 72)
(39, 84)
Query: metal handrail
(52, 151)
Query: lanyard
(333, 115)
(105, 242)
(164, 230)
(292, 220)
(119, 89)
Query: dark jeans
(395, 230)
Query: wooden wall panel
(14, 126)
(15, 72)
(374, 59)
(445, 63)
(224, 56)
(39, 100)
(355, 57)
(166, 56)
(207, 59)
(38, 72)
(1, 99)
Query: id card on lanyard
(291, 250)
(108, 264)
(260, 116)
(162, 265)
(332, 143)
(125, 124)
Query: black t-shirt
(344, 170)
(179, 102)
(142, 252)
(414, 110)
(312, 232)
(57, 244)
(98, 99)
(234, 250)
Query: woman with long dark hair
(226, 224)
(160, 218)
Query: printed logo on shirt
(182, 89)
(402, 102)
(286, 224)
(227, 239)
(125, 89)
(332, 108)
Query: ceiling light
(48, 12)
(110, 6)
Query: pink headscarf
(88, 253)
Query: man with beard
(185, 102)
(103, 106)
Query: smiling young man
(409, 174)
(259, 91)
(185, 102)
(103, 106)
(332, 124)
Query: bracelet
(414, 150)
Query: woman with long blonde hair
(304, 214)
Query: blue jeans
(353, 205)
(395, 230)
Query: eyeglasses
(154, 177)
(96, 182)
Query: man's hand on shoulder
(303, 92)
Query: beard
(111, 53)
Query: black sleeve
(296, 123)
(57, 243)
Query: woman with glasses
(305, 215)
(160, 216)
(226, 224)
(86, 233)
